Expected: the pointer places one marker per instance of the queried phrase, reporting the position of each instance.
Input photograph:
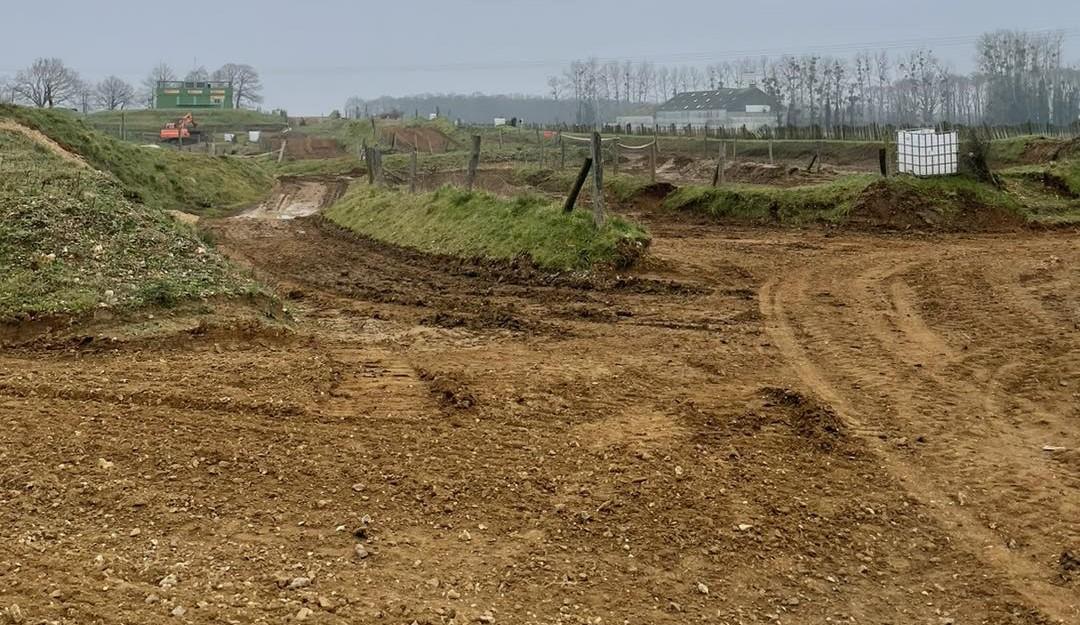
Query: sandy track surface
(764, 427)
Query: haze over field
(314, 55)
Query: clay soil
(761, 426)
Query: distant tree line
(48, 83)
(1019, 78)
(482, 109)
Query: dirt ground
(762, 426)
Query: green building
(177, 94)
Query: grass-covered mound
(945, 203)
(795, 205)
(157, 177)
(478, 224)
(72, 241)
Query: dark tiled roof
(718, 99)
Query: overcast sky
(314, 54)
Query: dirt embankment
(299, 196)
(422, 138)
(898, 207)
(299, 146)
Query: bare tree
(46, 83)
(161, 73)
(245, 83)
(197, 74)
(113, 93)
(554, 87)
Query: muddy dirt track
(763, 426)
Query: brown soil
(301, 146)
(294, 197)
(767, 427)
(425, 139)
(1044, 150)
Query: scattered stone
(299, 582)
(358, 487)
(303, 613)
(326, 603)
(486, 617)
(135, 532)
(14, 613)
(322, 503)
(453, 594)
(433, 582)
(465, 535)
(792, 601)
(105, 464)
(361, 552)
(702, 588)
(152, 598)
(179, 611)
(745, 526)
(678, 471)
(168, 581)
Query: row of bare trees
(48, 82)
(1020, 78)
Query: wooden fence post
(652, 161)
(770, 150)
(376, 154)
(474, 162)
(723, 162)
(412, 171)
(598, 180)
(576, 189)
(562, 149)
(369, 159)
(615, 159)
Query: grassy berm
(157, 177)
(480, 225)
(71, 241)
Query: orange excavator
(183, 129)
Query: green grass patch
(477, 224)
(71, 240)
(157, 177)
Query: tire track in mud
(807, 351)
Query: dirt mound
(423, 139)
(651, 196)
(817, 424)
(1045, 150)
(776, 175)
(300, 196)
(299, 146)
(889, 205)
